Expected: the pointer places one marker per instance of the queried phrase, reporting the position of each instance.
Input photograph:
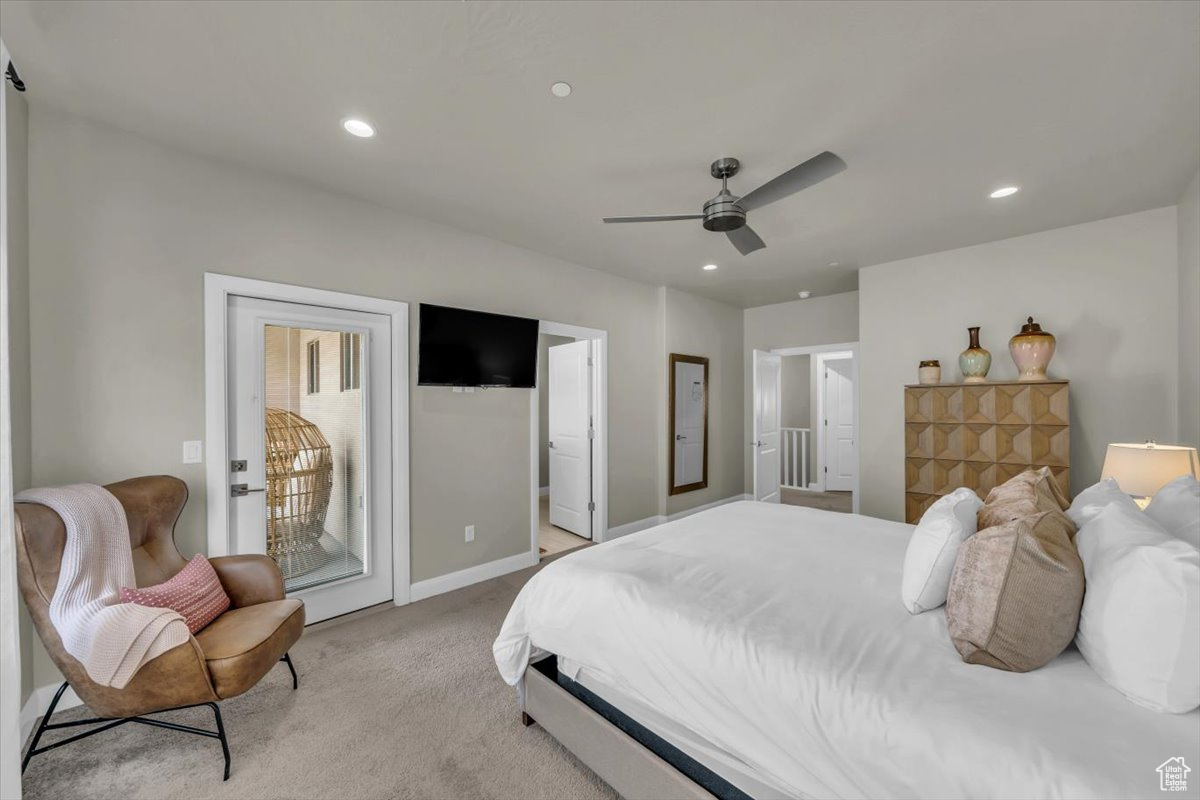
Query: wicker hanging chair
(299, 481)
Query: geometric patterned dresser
(979, 435)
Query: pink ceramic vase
(1031, 351)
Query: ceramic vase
(1031, 351)
(929, 372)
(974, 361)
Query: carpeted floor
(396, 703)
(826, 501)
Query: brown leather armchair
(222, 660)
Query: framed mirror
(688, 429)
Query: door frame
(217, 289)
(599, 377)
(821, 353)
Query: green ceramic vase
(974, 362)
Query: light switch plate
(193, 452)
(470, 533)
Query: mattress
(727, 765)
(773, 639)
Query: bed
(768, 644)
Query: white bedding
(777, 634)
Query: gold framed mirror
(687, 437)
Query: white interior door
(689, 423)
(569, 423)
(766, 392)
(841, 461)
(309, 416)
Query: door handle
(679, 436)
(550, 445)
(241, 490)
(756, 444)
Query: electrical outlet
(470, 533)
(193, 452)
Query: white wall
(795, 408)
(696, 326)
(1189, 313)
(122, 230)
(1106, 289)
(339, 415)
(797, 402)
(17, 205)
(832, 319)
(15, 642)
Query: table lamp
(1142, 469)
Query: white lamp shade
(1142, 469)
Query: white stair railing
(794, 453)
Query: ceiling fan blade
(745, 240)
(667, 218)
(811, 172)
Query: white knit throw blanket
(110, 638)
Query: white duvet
(777, 634)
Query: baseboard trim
(39, 701)
(687, 512)
(659, 519)
(543, 491)
(431, 587)
(634, 527)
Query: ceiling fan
(727, 213)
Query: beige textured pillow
(1031, 492)
(1015, 593)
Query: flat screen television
(473, 348)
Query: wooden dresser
(979, 435)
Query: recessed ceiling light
(804, 295)
(560, 89)
(709, 267)
(1006, 191)
(358, 127)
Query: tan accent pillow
(1015, 593)
(1031, 492)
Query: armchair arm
(249, 579)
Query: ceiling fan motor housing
(722, 213)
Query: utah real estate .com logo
(1172, 775)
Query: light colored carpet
(397, 703)
(826, 501)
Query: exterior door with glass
(309, 427)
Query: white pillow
(1177, 508)
(1092, 500)
(933, 548)
(1140, 623)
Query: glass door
(308, 397)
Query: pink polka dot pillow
(195, 592)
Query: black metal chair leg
(287, 659)
(42, 726)
(104, 724)
(221, 735)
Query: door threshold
(350, 616)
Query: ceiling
(1092, 109)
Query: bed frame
(621, 761)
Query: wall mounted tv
(473, 348)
